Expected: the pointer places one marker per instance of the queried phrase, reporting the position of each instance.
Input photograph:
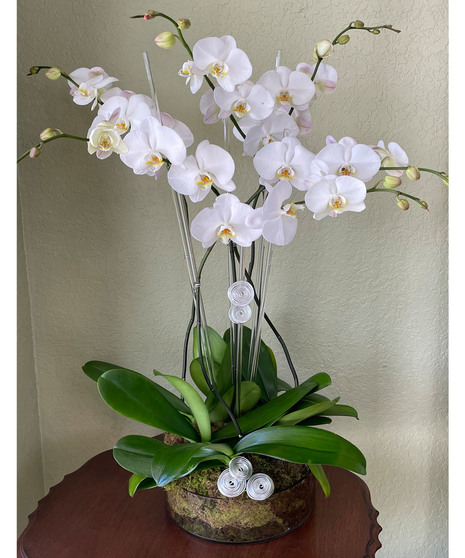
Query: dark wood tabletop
(90, 515)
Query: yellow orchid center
(284, 97)
(225, 233)
(83, 92)
(105, 142)
(285, 173)
(337, 203)
(347, 170)
(219, 69)
(155, 160)
(122, 125)
(240, 108)
(290, 209)
(204, 181)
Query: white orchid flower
(279, 221)
(303, 120)
(149, 145)
(228, 220)
(219, 57)
(91, 83)
(212, 165)
(347, 157)
(334, 195)
(193, 77)
(132, 111)
(289, 89)
(104, 138)
(247, 99)
(210, 110)
(326, 77)
(284, 160)
(393, 156)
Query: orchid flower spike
(334, 195)
(227, 220)
(196, 175)
(91, 83)
(149, 145)
(104, 138)
(221, 59)
(289, 89)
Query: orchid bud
(184, 23)
(324, 48)
(34, 70)
(445, 178)
(413, 173)
(391, 182)
(424, 205)
(359, 24)
(402, 203)
(343, 39)
(388, 162)
(150, 14)
(49, 133)
(165, 40)
(35, 152)
(53, 73)
(376, 31)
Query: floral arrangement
(239, 404)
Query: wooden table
(90, 515)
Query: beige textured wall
(362, 297)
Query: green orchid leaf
(135, 453)
(304, 444)
(194, 402)
(95, 368)
(315, 421)
(268, 412)
(266, 376)
(322, 379)
(135, 396)
(309, 410)
(217, 345)
(173, 462)
(197, 376)
(250, 396)
(321, 477)
(282, 385)
(341, 411)
(139, 482)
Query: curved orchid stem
(420, 202)
(40, 144)
(442, 175)
(189, 51)
(351, 27)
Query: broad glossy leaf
(282, 385)
(341, 411)
(194, 402)
(321, 477)
(95, 368)
(174, 462)
(135, 453)
(135, 396)
(266, 376)
(139, 482)
(217, 345)
(268, 412)
(304, 444)
(197, 376)
(316, 421)
(309, 410)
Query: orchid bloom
(149, 145)
(303, 120)
(228, 220)
(347, 157)
(196, 175)
(274, 128)
(91, 83)
(284, 160)
(333, 195)
(192, 75)
(179, 127)
(132, 110)
(210, 110)
(104, 138)
(220, 58)
(289, 89)
(279, 221)
(326, 77)
(393, 156)
(246, 99)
